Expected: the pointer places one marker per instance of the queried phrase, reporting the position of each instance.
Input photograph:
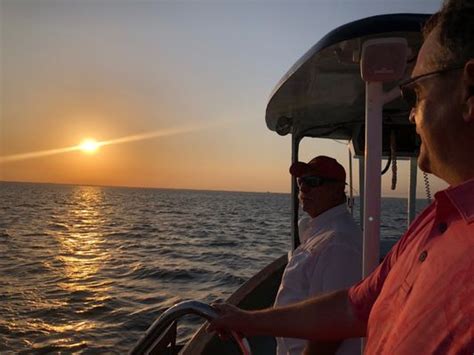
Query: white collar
(318, 223)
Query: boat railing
(162, 333)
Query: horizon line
(167, 188)
(137, 187)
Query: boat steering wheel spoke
(151, 340)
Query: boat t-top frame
(346, 87)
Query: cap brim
(299, 169)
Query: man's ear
(468, 74)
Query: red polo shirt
(420, 300)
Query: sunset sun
(89, 146)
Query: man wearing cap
(330, 251)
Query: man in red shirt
(420, 300)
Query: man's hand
(230, 318)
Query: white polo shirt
(329, 258)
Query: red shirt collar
(462, 198)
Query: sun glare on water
(89, 146)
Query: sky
(177, 88)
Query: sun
(89, 145)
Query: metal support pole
(373, 143)
(412, 191)
(351, 194)
(362, 190)
(295, 240)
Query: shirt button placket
(442, 227)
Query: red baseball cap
(322, 166)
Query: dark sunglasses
(407, 87)
(314, 181)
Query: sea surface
(87, 269)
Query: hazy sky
(193, 76)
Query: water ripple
(87, 269)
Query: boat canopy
(323, 94)
(346, 87)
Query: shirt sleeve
(363, 295)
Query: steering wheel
(147, 342)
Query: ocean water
(87, 269)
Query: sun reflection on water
(82, 254)
(62, 288)
(82, 250)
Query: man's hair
(455, 23)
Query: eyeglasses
(314, 181)
(407, 88)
